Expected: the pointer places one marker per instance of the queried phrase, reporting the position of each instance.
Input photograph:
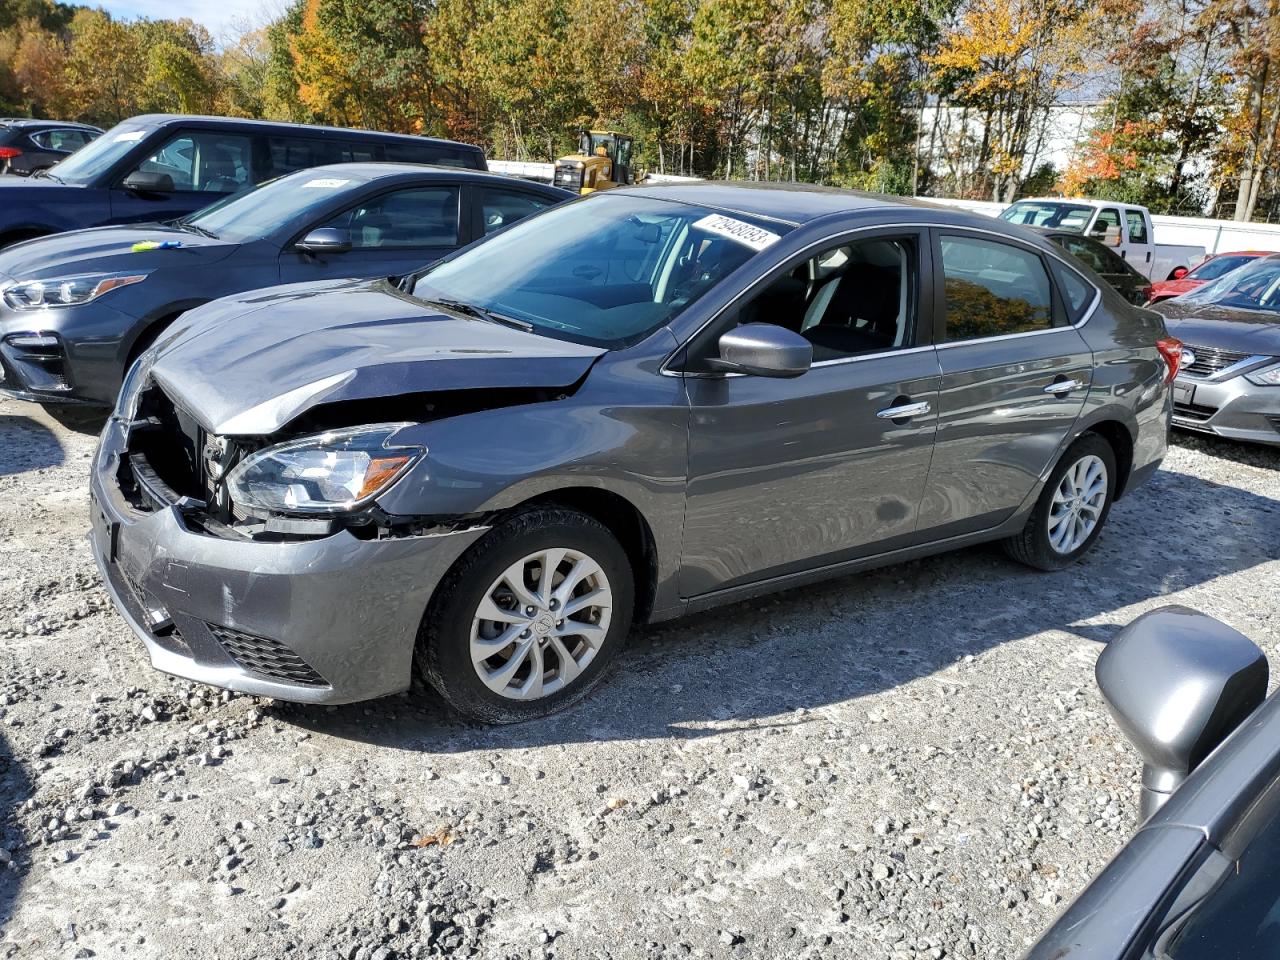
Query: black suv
(30, 145)
(160, 167)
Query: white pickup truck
(1124, 226)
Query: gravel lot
(909, 763)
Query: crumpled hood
(1227, 328)
(249, 364)
(108, 250)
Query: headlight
(330, 473)
(65, 291)
(1266, 377)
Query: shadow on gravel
(760, 661)
(1252, 454)
(14, 789)
(26, 444)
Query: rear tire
(511, 665)
(1072, 509)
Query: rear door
(1014, 377)
(392, 233)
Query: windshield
(1255, 286)
(605, 271)
(1216, 267)
(1049, 213)
(90, 161)
(260, 211)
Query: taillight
(8, 153)
(1171, 349)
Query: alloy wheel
(541, 623)
(1077, 504)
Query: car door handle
(1063, 386)
(904, 411)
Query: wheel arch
(1120, 438)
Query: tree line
(1179, 99)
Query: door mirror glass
(763, 350)
(325, 240)
(144, 181)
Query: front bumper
(80, 362)
(1234, 408)
(331, 620)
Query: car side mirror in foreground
(763, 350)
(142, 181)
(1178, 683)
(325, 240)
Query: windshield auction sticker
(325, 183)
(130, 136)
(757, 238)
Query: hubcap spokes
(541, 624)
(1077, 504)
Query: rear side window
(417, 217)
(1137, 226)
(61, 139)
(431, 153)
(1077, 291)
(993, 289)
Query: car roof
(169, 119)
(368, 170)
(33, 122)
(793, 203)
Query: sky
(217, 15)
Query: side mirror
(763, 350)
(142, 181)
(1178, 683)
(325, 240)
(1180, 272)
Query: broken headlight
(330, 473)
(131, 389)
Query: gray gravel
(908, 763)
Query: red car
(1211, 268)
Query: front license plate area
(1183, 392)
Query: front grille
(1193, 411)
(1211, 360)
(270, 658)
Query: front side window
(605, 271)
(852, 299)
(501, 208)
(1107, 219)
(1137, 226)
(418, 217)
(993, 289)
(203, 162)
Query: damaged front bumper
(331, 619)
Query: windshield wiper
(192, 228)
(480, 313)
(46, 174)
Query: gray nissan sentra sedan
(623, 409)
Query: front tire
(1072, 509)
(529, 619)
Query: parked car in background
(1125, 227)
(1106, 263)
(1210, 269)
(1198, 880)
(1229, 383)
(27, 146)
(629, 407)
(77, 308)
(161, 167)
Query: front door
(392, 234)
(202, 166)
(1014, 378)
(791, 474)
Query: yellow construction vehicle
(603, 160)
